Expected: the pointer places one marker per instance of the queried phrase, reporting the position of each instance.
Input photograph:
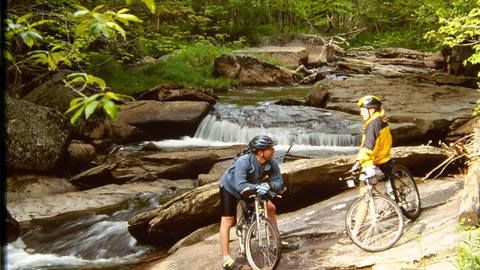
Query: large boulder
(290, 57)
(304, 179)
(53, 93)
(249, 70)
(37, 136)
(160, 120)
(150, 120)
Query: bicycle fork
(258, 213)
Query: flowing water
(101, 240)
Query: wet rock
(37, 136)
(215, 172)
(23, 186)
(290, 57)
(248, 70)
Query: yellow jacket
(376, 141)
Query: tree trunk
(470, 202)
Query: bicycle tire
(406, 192)
(257, 253)
(240, 226)
(387, 225)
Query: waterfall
(296, 124)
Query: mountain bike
(258, 237)
(380, 218)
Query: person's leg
(225, 224)
(361, 213)
(228, 205)
(271, 211)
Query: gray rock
(80, 152)
(164, 119)
(50, 207)
(317, 229)
(248, 70)
(430, 109)
(20, 187)
(37, 136)
(290, 57)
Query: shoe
(289, 245)
(231, 265)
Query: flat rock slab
(290, 57)
(318, 228)
(41, 208)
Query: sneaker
(231, 265)
(289, 245)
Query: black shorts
(228, 203)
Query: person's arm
(365, 154)
(275, 179)
(242, 166)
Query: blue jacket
(247, 172)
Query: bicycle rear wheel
(406, 192)
(382, 227)
(263, 246)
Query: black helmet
(261, 142)
(369, 102)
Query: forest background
(110, 50)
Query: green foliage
(460, 26)
(188, 67)
(401, 38)
(88, 104)
(94, 24)
(468, 249)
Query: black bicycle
(258, 237)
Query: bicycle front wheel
(241, 226)
(263, 246)
(406, 192)
(382, 224)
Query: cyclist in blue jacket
(245, 174)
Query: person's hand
(355, 168)
(263, 188)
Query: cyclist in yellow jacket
(373, 158)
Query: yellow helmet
(370, 102)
